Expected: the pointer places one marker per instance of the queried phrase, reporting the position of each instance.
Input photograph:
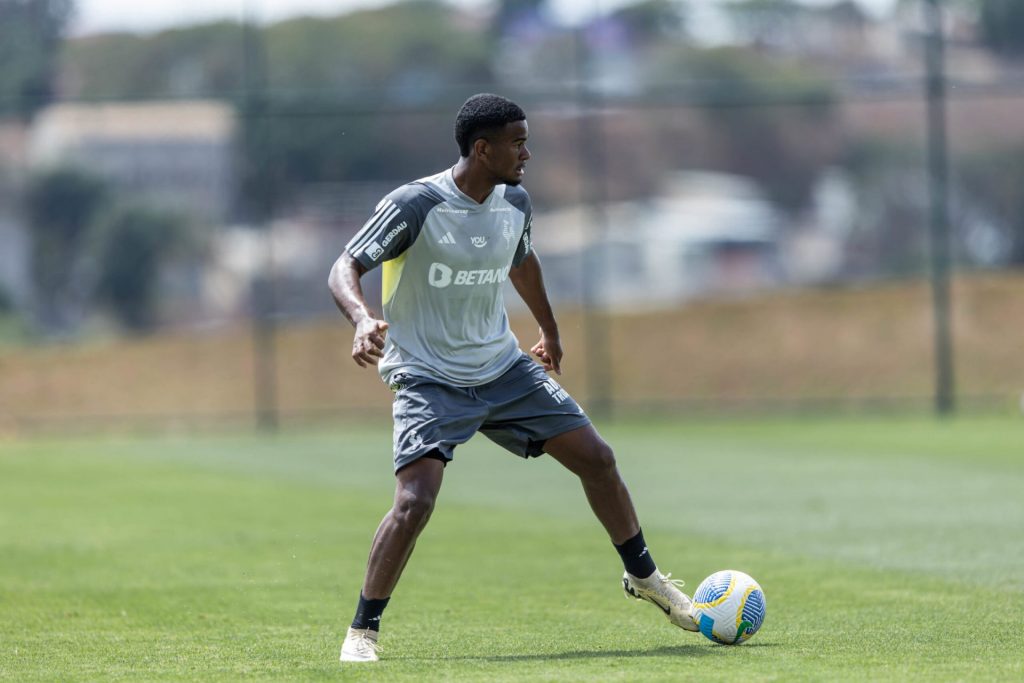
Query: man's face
(507, 153)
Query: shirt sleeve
(525, 245)
(392, 228)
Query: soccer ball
(729, 607)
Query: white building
(173, 153)
(705, 233)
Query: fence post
(938, 175)
(593, 175)
(264, 328)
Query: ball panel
(714, 590)
(707, 628)
(754, 609)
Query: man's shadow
(691, 650)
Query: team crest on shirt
(507, 232)
(479, 241)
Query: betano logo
(441, 276)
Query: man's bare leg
(584, 453)
(416, 490)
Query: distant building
(707, 233)
(177, 154)
(297, 249)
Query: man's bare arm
(368, 344)
(528, 280)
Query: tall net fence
(722, 229)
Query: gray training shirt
(445, 260)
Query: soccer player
(447, 243)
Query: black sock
(636, 558)
(369, 612)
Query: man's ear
(481, 147)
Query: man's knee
(413, 507)
(604, 458)
(584, 453)
(597, 463)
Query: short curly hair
(483, 114)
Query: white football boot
(361, 646)
(663, 591)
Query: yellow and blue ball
(729, 607)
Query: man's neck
(468, 179)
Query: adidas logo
(446, 239)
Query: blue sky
(148, 15)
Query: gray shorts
(519, 411)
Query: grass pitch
(887, 549)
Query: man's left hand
(549, 351)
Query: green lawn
(887, 549)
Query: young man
(447, 244)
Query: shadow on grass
(691, 650)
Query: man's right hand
(368, 345)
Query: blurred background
(752, 206)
